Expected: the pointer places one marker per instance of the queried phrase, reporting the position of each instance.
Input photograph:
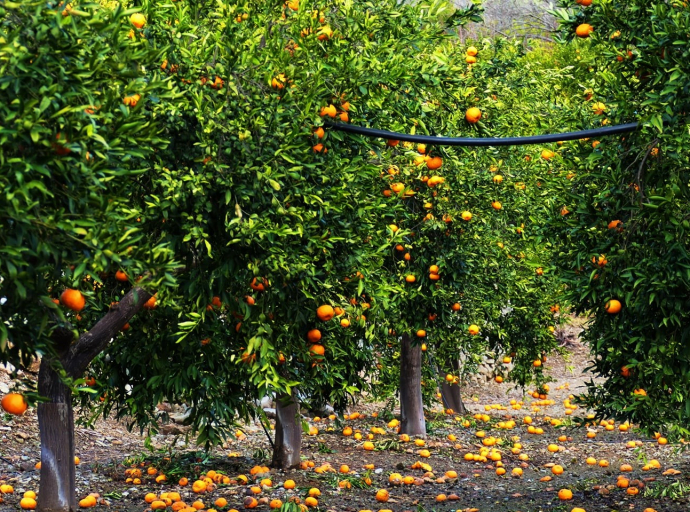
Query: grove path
(107, 449)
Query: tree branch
(92, 343)
(638, 178)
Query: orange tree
(243, 224)
(271, 216)
(624, 247)
(473, 273)
(75, 132)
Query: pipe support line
(496, 141)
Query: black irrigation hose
(467, 141)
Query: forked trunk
(288, 442)
(57, 492)
(451, 392)
(56, 425)
(412, 420)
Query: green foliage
(216, 168)
(70, 151)
(638, 57)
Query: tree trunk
(451, 392)
(288, 443)
(56, 426)
(412, 420)
(57, 491)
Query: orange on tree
(584, 30)
(325, 313)
(138, 20)
(473, 115)
(73, 299)
(613, 306)
(14, 403)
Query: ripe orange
(473, 329)
(421, 333)
(584, 30)
(397, 187)
(73, 299)
(317, 350)
(471, 59)
(329, 111)
(496, 205)
(410, 278)
(473, 115)
(498, 179)
(584, 3)
(325, 313)
(256, 285)
(382, 495)
(565, 494)
(121, 276)
(547, 154)
(28, 503)
(151, 303)
(137, 19)
(434, 181)
(14, 403)
(314, 336)
(472, 51)
(345, 322)
(613, 306)
(434, 163)
(319, 132)
(466, 216)
(90, 501)
(456, 307)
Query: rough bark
(93, 342)
(57, 491)
(451, 392)
(412, 420)
(56, 426)
(288, 441)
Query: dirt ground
(109, 449)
